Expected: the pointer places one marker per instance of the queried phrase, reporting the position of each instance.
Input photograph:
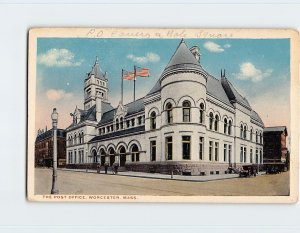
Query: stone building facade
(190, 123)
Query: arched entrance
(102, 157)
(111, 153)
(122, 156)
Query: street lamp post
(54, 117)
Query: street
(71, 182)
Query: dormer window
(121, 122)
(117, 124)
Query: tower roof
(96, 70)
(182, 59)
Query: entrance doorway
(122, 157)
(111, 156)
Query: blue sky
(259, 69)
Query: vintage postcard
(163, 115)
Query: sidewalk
(160, 176)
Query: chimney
(98, 108)
(196, 52)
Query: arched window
(169, 109)
(95, 160)
(217, 123)
(260, 138)
(241, 131)
(75, 139)
(117, 124)
(82, 137)
(245, 132)
(211, 120)
(256, 137)
(251, 134)
(186, 110)
(201, 113)
(229, 127)
(135, 155)
(121, 123)
(225, 126)
(79, 136)
(153, 120)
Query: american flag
(142, 72)
(128, 75)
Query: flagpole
(122, 87)
(134, 84)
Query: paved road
(70, 182)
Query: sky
(258, 68)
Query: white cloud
(56, 95)
(249, 72)
(59, 58)
(226, 46)
(214, 47)
(150, 57)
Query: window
(201, 113)
(121, 123)
(211, 119)
(261, 157)
(251, 155)
(81, 159)
(75, 139)
(186, 147)
(128, 123)
(229, 127)
(153, 120)
(225, 152)
(225, 126)
(201, 148)
(210, 150)
(108, 129)
(169, 108)
(135, 153)
(94, 156)
(70, 157)
(241, 154)
(153, 150)
(186, 111)
(251, 135)
(169, 148)
(245, 154)
(216, 151)
(229, 153)
(241, 131)
(217, 123)
(245, 132)
(117, 124)
(75, 156)
(256, 137)
(260, 138)
(139, 120)
(112, 128)
(256, 156)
